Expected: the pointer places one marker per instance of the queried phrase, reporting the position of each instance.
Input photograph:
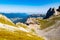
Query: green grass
(44, 23)
(56, 17)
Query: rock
(58, 9)
(49, 13)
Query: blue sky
(27, 6)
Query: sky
(27, 6)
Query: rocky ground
(54, 33)
(51, 33)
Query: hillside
(45, 23)
(52, 16)
(5, 20)
(33, 28)
(10, 31)
(13, 33)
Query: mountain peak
(58, 9)
(51, 12)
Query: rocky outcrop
(49, 13)
(58, 9)
(52, 11)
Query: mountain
(23, 17)
(5, 20)
(8, 32)
(51, 12)
(49, 26)
(52, 16)
(50, 19)
(58, 9)
(34, 28)
(36, 15)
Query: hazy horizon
(27, 6)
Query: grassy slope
(21, 25)
(5, 34)
(48, 22)
(56, 17)
(5, 20)
(44, 23)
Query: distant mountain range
(21, 17)
(36, 15)
(12, 16)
